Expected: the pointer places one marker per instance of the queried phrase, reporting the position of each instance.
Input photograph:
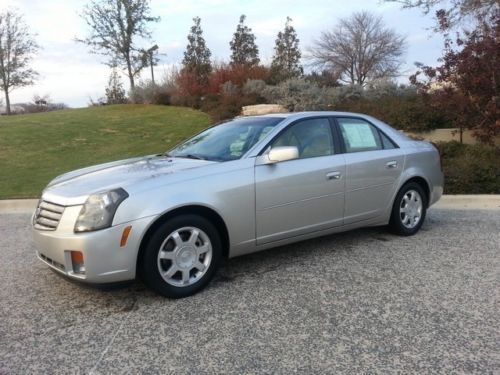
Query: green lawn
(35, 148)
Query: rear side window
(360, 135)
(386, 142)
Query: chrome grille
(48, 215)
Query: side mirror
(277, 154)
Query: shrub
(297, 94)
(254, 86)
(39, 104)
(115, 93)
(470, 169)
(398, 105)
(229, 89)
(325, 78)
(189, 85)
(408, 112)
(149, 93)
(237, 74)
(223, 107)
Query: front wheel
(409, 209)
(181, 256)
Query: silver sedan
(243, 186)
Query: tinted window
(228, 141)
(359, 135)
(311, 137)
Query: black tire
(396, 222)
(149, 268)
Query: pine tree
(243, 47)
(115, 94)
(197, 55)
(286, 59)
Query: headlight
(99, 210)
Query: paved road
(359, 302)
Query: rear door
(303, 195)
(373, 166)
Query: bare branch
(456, 12)
(115, 26)
(359, 49)
(17, 48)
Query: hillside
(35, 148)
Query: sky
(69, 73)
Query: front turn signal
(125, 234)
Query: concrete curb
(471, 202)
(18, 206)
(457, 202)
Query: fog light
(77, 261)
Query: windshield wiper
(191, 156)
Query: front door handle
(391, 164)
(333, 175)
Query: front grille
(48, 215)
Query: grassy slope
(35, 148)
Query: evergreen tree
(197, 55)
(243, 47)
(115, 94)
(286, 59)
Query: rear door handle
(333, 175)
(391, 164)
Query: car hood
(74, 187)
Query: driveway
(360, 302)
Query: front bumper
(105, 260)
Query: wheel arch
(195, 209)
(423, 183)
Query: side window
(388, 144)
(311, 137)
(359, 135)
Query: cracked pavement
(364, 301)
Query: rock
(262, 109)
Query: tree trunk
(130, 75)
(7, 102)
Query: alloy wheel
(184, 256)
(410, 209)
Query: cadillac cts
(246, 185)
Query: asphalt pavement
(365, 301)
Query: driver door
(303, 195)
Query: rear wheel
(409, 209)
(181, 256)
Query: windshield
(227, 141)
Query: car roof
(310, 114)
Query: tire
(409, 210)
(181, 256)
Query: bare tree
(17, 48)
(115, 26)
(359, 49)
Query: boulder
(262, 109)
